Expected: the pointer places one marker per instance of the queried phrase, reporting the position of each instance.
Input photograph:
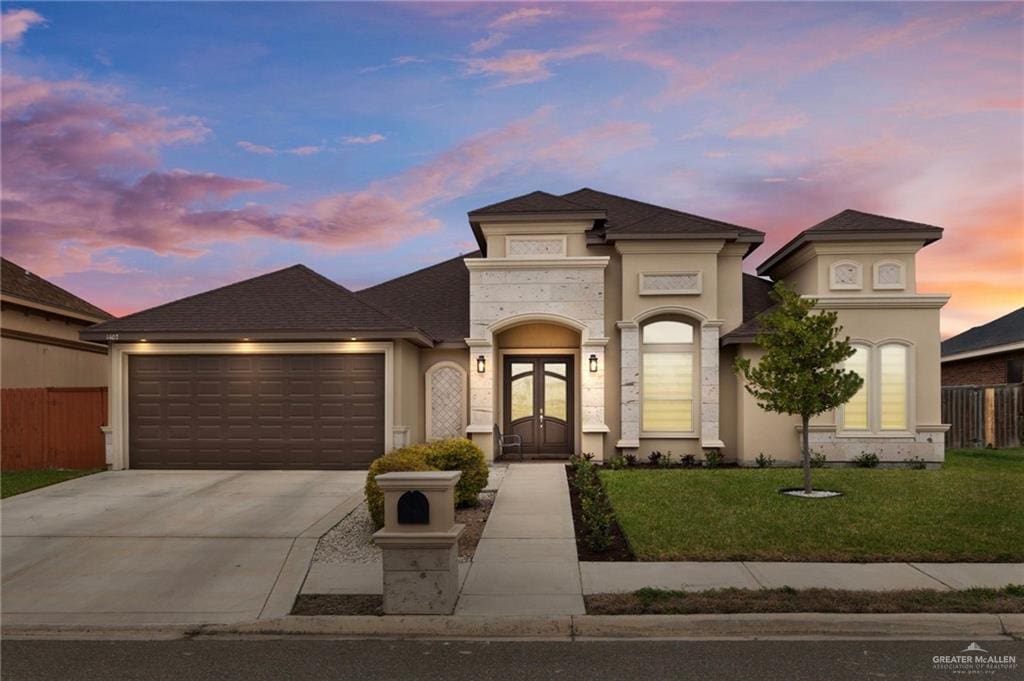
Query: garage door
(255, 411)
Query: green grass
(971, 510)
(16, 482)
(726, 601)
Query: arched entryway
(538, 387)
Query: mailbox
(419, 542)
(413, 508)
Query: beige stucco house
(39, 326)
(586, 322)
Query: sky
(155, 150)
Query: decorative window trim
(561, 239)
(874, 381)
(835, 285)
(876, 271)
(695, 290)
(694, 349)
(429, 396)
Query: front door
(538, 402)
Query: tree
(801, 371)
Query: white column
(629, 386)
(709, 392)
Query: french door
(539, 402)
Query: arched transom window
(667, 376)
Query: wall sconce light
(481, 364)
(593, 363)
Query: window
(882, 404)
(855, 412)
(667, 377)
(893, 384)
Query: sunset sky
(152, 151)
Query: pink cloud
(16, 22)
(768, 127)
(308, 150)
(488, 42)
(519, 67)
(253, 148)
(523, 15)
(372, 138)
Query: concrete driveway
(166, 547)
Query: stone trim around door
(119, 398)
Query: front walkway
(526, 561)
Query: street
(370, 660)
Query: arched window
(446, 401)
(883, 402)
(667, 384)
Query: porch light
(481, 364)
(593, 363)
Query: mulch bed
(618, 549)
(474, 518)
(731, 601)
(337, 604)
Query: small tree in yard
(801, 370)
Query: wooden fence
(52, 428)
(984, 416)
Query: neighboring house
(39, 326)
(986, 355)
(587, 322)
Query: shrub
(688, 461)
(712, 458)
(666, 460)
(597, 518)
(916, 463)
(459, 454)
(866, 460)
(655, 458)
(764, 461)
(616, 463)
(818, 460)
(631, 460)
(412, 458)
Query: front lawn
(972, 510)
(16, 482)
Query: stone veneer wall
(569, 290)
(927, 445)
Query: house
(986, 355)
(39, 327)
(586, 322)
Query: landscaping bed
(351, 540)
(618, 548)
(732, 601)
(971, 510)
(338, 604)
(17, 482)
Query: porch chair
(503, 442)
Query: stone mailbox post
(419, 542)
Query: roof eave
(982, 352)
(54, 309)
(115, 336)
(927, 236)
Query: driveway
(166, 547)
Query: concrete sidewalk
(525, 563)
(610, 577)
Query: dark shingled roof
(436, 298)
(17, 281)
(534, 202)
(1003, 331)
(854, 224)
(291, 301)
(628, 216)
(756, 300)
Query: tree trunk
(806, 445)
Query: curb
(766, 626)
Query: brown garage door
(255, 411)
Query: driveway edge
(767, 626)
